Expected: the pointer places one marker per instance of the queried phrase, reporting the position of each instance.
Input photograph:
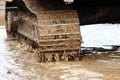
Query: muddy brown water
(17, 62)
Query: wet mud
(18, 62)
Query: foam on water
(98, 35)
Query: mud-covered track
(51, 29)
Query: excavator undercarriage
(49, 26)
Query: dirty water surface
(17, 62)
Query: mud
(18, 63)
(2, 12)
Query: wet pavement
(17, 62)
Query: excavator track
(54, 33)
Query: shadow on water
(112, 48)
